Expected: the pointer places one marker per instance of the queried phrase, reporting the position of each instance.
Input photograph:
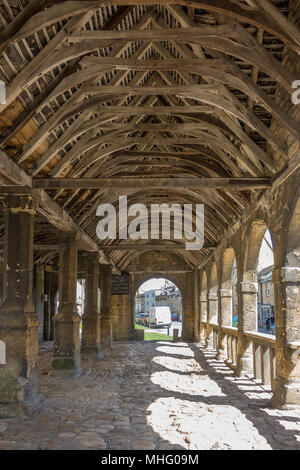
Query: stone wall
(120, 306)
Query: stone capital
(290, 274)
(212, 297)
(249, 287)
(225, 293)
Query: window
(268, 289)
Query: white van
(160, 317)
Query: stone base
(221, 355)
(244, 366)
(66, 356)
(106, 337)
(90, 334)
(66, 366)
(19, 380)
(139, 335)
(18, 389)
(209, 344)
(286, 394)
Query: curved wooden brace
(245, 14)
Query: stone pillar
(39, 297)
(203, 318)
(247, 321)
(91, 317)
(106, 333)
(196, 307)
(54, 285)
(132, 307)
(212, 302)
(286, 387)
(188, 308)
(51, 289)
(224, 317)
(67, 320)
(18, 321)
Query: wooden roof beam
(114, 183)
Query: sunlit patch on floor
(172, 363)
(180, 351)
(190, 384)
(198, 426)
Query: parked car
(175, 316)
(160, 317)
(142, 319)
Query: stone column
(91, 317)
(18, 321)
(51, 288)
(39, 297)
(188, 308)
(53, 302)
(286, 387)
(247, 321)
(67, 320)
(203, 318)
(132, 307)
(106, 333)
(196, 307)
(224, 317)
(212, 302)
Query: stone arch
(153, 264)
(248, 305)
(228, 259)
(203, 305)
(254, 241)
(212, 297)
(227, 293)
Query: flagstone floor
(152, 395)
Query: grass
(154, 336)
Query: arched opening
(266, 298)
(158, 309)
(81, 299)
(235, 308)
(257, 255)
(228, 292)
(203, 306)
(213, 295)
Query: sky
(266, 257)
(153, 284)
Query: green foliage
(152, 336)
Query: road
(164, 331)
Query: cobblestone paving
(152, 396)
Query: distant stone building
(168, 296)
(140, 302)
(266, 301)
